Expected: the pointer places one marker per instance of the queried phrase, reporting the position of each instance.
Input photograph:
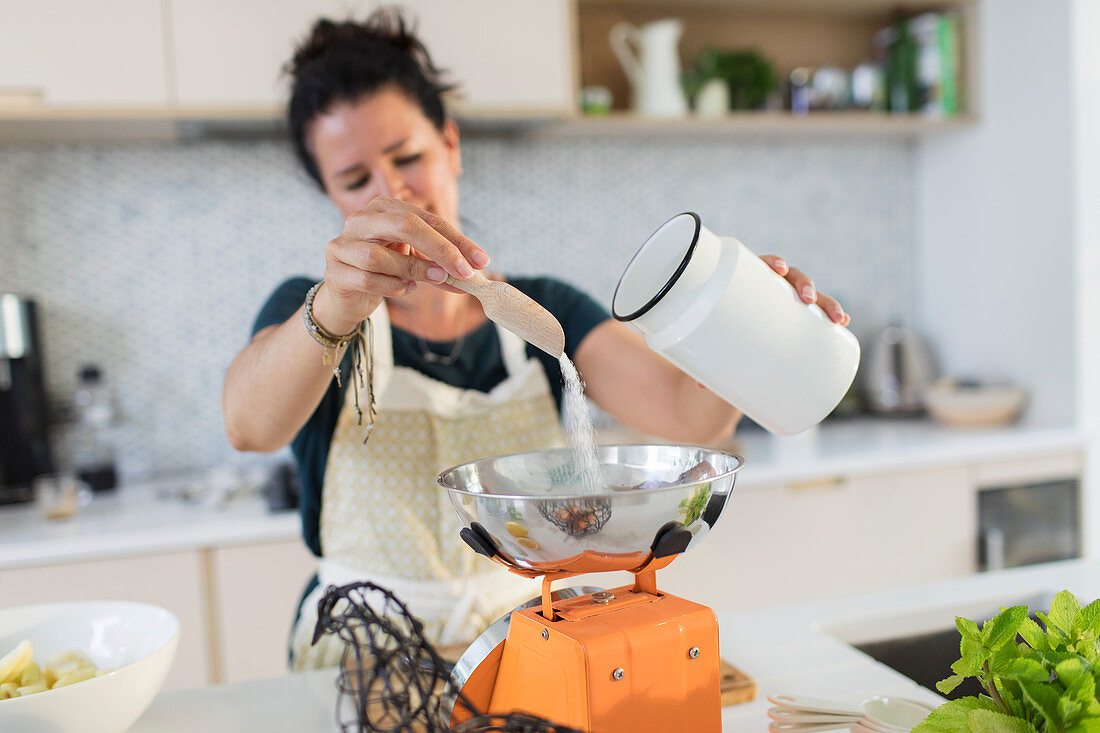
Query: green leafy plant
(1037, 679)
(692, 507)
(750, 76)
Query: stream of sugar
(578, 430)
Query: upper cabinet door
(231, 53)
(107, 53)
(506, 55)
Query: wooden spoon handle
(516, 311)
(476, 286)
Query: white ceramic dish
(136, 640)
(956, 403)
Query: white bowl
(137, 640)
(962, 404)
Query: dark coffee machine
(24, 423)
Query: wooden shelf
(32, 125)
(789, 33)
(85, 124)
(755, 124)
(880, 8)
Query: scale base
(634, 661)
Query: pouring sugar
(578, 430)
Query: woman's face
(383, 145)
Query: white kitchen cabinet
(1028, 469)
(231, 54)
(506, 56)
(109, 53)
(256, 589)
(172, 580)
(833, 536)
(838, 535)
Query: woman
(369, 126)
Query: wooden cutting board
(737, 687)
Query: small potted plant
(1036, 678)
(746, 76)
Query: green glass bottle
(904, 95)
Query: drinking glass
(60, 495)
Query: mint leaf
(970, 663)
(1045, 699)
(1012, 697)
(1089, 725)
(1063, 611)
(1054, 658)
(1055, 636)
(951, 717)
(1069, 670)
(967, 629)
(1088, 621)
(1083, 690)
(1024, 670)
(1033, 635)
(990, 721)
(1003, 656)
(1002, 628)
(1068, 709)
(947, 686)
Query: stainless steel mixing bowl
(534, 509)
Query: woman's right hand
(385, 249)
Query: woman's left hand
(806, 290)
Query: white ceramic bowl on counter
(136, 641)
(974, 404)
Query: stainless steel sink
(922, 644)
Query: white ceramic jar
(652, 64)
(721, 314)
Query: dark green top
(479, 365)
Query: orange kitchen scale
(631, 658)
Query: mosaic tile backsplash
(152, 259)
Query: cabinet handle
(22, 97)
(834, 482)
(994, 541)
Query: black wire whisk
(392, 679)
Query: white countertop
(861, 446)
(786, 649)
(136, 520)
(795, 648)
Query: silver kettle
(898, 371)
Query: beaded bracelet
(320, 335)
(360, 353)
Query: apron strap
(383, 348)
(513, 349)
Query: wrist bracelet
(323, 337)
(362, 357)
(320, 335)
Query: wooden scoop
(512, 309)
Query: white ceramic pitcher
(721, 314)
(654, 68)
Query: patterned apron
(385, 519)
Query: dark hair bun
(386, 26)
(346, 60)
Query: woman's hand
(384, 250)
(806, 290)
